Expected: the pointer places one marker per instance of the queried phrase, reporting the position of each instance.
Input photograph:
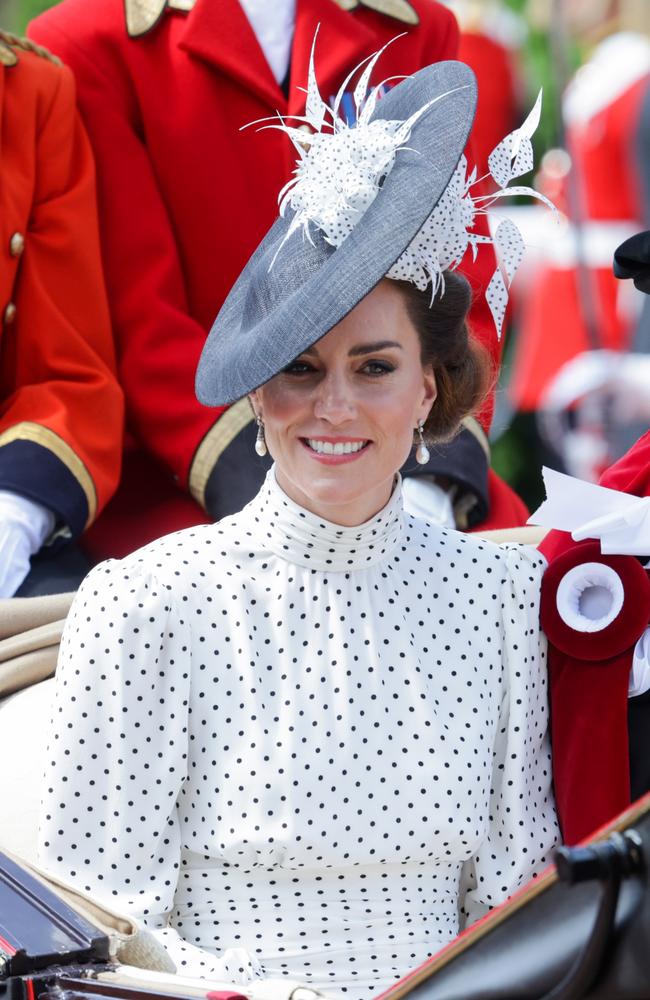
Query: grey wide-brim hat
(274, 313)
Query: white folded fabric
(620, 521)
(424, 498)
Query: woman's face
(339, 420)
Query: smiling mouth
(335, 447)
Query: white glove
(24, 526)
(640, 676)
(620, 521)
(424, 498)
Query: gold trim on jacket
(143, 15)
(399, 10)
(213, 445)
(10, 42)
(472, 425)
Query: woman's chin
(331, 487)
(338, 493)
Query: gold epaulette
(399, 10)
(143, 15)
(10, 42)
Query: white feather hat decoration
(341, 168)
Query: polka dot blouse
(296, 749)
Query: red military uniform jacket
(185, 197)
(592, 720)
(61, 409)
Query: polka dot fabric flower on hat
(341, 168)
(284, 745)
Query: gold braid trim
(399, 10)
(472, 425)
(27, 431)
(142, 15)
(215, 442)
(9, 42)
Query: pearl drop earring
(260, 440)
(422, 453)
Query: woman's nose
(335, 400)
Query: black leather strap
(610, 862)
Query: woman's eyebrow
(379, 345)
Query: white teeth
(340, 448)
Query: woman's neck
(333, 505)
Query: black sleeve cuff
(35, 472)
(462, 461)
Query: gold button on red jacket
(61, 409)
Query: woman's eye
(298, 368)
(378, 368)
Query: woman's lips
(335, 451)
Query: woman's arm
(117, 755)
(522, 827)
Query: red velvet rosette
(589, 674)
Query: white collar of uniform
(273, 22)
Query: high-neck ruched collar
(303, 538)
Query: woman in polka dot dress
(310, 741)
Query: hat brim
(316, 285)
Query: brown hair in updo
(461, 365)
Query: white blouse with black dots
(299, 749)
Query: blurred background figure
(595, 610)
(492, 38)
(580, 358)
(61, 409)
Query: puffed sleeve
(117, 753)
(522, 827)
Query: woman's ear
(254, 400)
(430, 391)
